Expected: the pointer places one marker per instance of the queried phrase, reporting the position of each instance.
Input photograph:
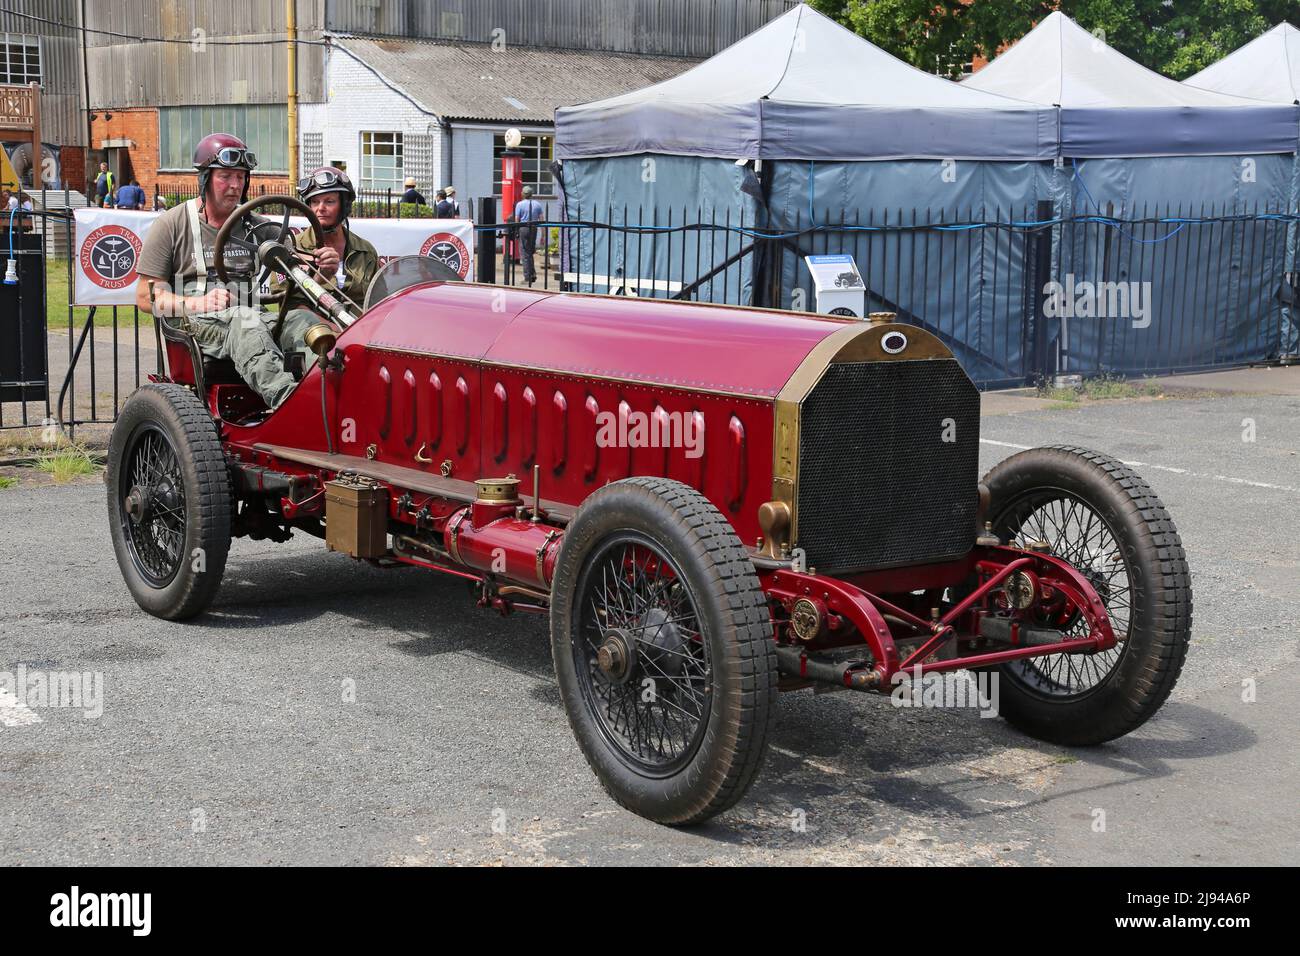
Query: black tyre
(168, 501)
(663, 650)
(1098, 515)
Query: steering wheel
(262, 230)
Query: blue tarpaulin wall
(1212, 291)
(659, 193)
(846, 135)
(969, 285)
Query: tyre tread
(732, 574)
(1170, 605)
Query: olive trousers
(256, 341)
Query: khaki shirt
(168, 252)
(360, 263)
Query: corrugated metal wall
(125, 73)
(693, 28)
(62, 120)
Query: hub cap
(1078, 535)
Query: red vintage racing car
(712, 504)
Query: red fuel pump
(512, 175)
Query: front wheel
(663, 650)
(1096, 514)
(168, 501)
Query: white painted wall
(358, 100)
(471, 158)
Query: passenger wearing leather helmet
(178, 258)
(329, 193)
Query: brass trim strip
(541, 557)
(453, 535)
(859, 343)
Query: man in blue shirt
(528, 211)
(131, 196)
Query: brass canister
(356, 517)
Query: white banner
(109, 242)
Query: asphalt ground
(229, 740)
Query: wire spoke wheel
(1080, 536)
(168, 501)
(1097, 515)
(642, 661)
(663, 649)
(152, 511)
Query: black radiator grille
(878, 485)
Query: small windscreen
(404, 272)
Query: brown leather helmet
(329, 179)
(223, 151)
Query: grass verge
(65, 464)
(1104, 388)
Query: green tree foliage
(1174, 38)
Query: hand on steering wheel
(262, 231)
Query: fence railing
(1018, 294)
(369, 204)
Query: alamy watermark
(660, 429)
(1085, 299)
(957, 690)
(37, 689)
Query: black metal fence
(1019, 296)
(64, 366)
(1206, 286)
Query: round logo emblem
(842, 311)
(108, 256)
(894, 342)
(449, 250)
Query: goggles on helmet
(324, 179)
(233, 157)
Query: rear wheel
(1096, 514)
(168, 501)
(663, 650)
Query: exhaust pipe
(793, 662)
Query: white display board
(837, 285)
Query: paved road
(238, 722)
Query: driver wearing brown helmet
(178, 260)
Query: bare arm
(170, 305)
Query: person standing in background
(25, 209)
(105, 187)
(130, 196)
(412, 195)
(528, 212)
(454, 207)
